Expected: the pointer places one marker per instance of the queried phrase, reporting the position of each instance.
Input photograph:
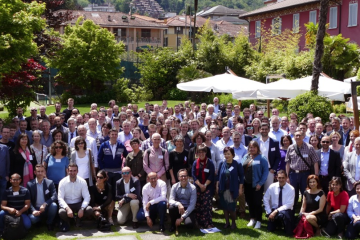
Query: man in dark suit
(34, 115)
(72, 130)
(329, 164)
(270, 149)
(345, 132)
(245, 139)
(43, 198)
(60, 127)
(128, 191)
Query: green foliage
(310, 103)
(122, 5)
(89, 57)
(99, 97)
(83, 3)
(339, 108)
(176, 94)
(190, 72)
(18, 22)
(281, 105)
(124, 93)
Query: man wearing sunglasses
(329, 164)
(128, 194)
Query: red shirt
(336, 201)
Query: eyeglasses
(249, 128)
(125, 173)
(15, 179)
(141, 111)
(325, 141)
(99, 177)
(183, 176)
(34, 110)
(58, 147)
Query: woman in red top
(337, 203)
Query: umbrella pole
(239, 103)
(355, 104)
(268, 107)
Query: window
(166, 42)
(312, 17)
(353, 12)
(165, 31)
(145, 33)
(121, 32)
(333, 18)
(276, 26)
(257, 29)
(296, 24)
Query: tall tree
(319, 48)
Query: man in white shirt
(276, 133)
(74, 198)
(211, 112)
(154, 201)
(278, 202)
(311, 127)
(216, 105)
(224, 142)
(126, 133)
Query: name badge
(317, 198)
(256, 162)
(161, 157)
(119, 151)
(132, 189)
(15, 193)
(272, 149)
(206, 170)
(231, 168)
(47, 191)
(182, 191)
(306, 155)
(30, 157)
(58, 160)
(185, 159)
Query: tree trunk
(319, 50)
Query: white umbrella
(224, 83)
(328, 87)
(348, 80)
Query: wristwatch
(82, 208)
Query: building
(100, 8)
(135, 31)
(179, 27)
(221, 13)
(147, 7)
(279, 15)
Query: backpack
(168, 176)
(14, 227)
(103, 224)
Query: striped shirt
(16, 199)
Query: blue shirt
(214, 140)
(324, 162)
(47, 142)
(56, 169)
(40, 199)
(354, 207)
(239, 153)
(276, 135)
(4, 161)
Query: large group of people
(145, 163)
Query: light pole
(177, 37)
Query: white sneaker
(251, 223)
(257, 225)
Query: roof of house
(277, 6)
(220, 10)
(115, 19)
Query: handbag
(311, 167)
(304, 229)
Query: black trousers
(324, 181)
(174, 214)
(337, 223)
(254, 200)
(282, 218)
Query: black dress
(17, 163)
(102, 199)
(313, 203)
(178, 161)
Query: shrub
(310, 103)
(176, 94)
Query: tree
(18, 22)
(89, 56)
(319, 49)
(17, 87)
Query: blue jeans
(155, 210)
(50, 212)
(298, 181)
(26, 220)
(3, 184)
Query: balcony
(139, 40)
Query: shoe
(324, 233)
(162, 228)
(50, 227)
(111, 221)
(64, 226)
(251, 223)
(172, 229)
(78, 222)
(135, 225)
(258, 225)
(227, 225)
(233, 226)
(339, 236)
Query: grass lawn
(242, 232)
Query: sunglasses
(34, 110)
(101, 177)
(249, 128)
(325, 141)
(125, 173)
(141, 111)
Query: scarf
(198, 161)
(351, 147)
(28, 171)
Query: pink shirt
(156, 162)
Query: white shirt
(73, 192)
(122, 137)
(221, 145)
(154, 195)
(83, 165)
(90, 143)
(271, 197)
(357, 170)
(264, 148)
(127, 187)
(213, 115)
(113, 148)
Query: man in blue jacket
(110, 157)
(43, 197)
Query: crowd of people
(181, 161)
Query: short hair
(231, 150)
(77, 141)
(283, 137)
(134, 140)
(182, 170)
(312, 176)
(71, 119)
(63, 146)
(196, 135)
(336, 119)
(355, 133)
(73, 165)
(113, 130)
(282, 172)
(202, 148)
(179, 138)
(156, 135)
(356, 184)
(39, 166)
(265, 125)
